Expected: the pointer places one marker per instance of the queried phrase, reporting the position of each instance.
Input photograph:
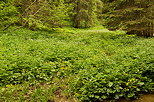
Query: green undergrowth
(87, 64)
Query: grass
(65, 65)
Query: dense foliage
(41, 14)
(48, 14)
(8, 13)
(91, 65)
(85, 15)
(134, 16)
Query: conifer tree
(85, 15)
(134, 16)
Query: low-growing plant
(92, 65)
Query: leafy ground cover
(74, 65)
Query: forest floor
(72, 65)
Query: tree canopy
(134, 16)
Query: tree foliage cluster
(8, 13)
(38, 13)
(44, 14)
(133, 16)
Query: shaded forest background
(133, 16)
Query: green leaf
(110, 84)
